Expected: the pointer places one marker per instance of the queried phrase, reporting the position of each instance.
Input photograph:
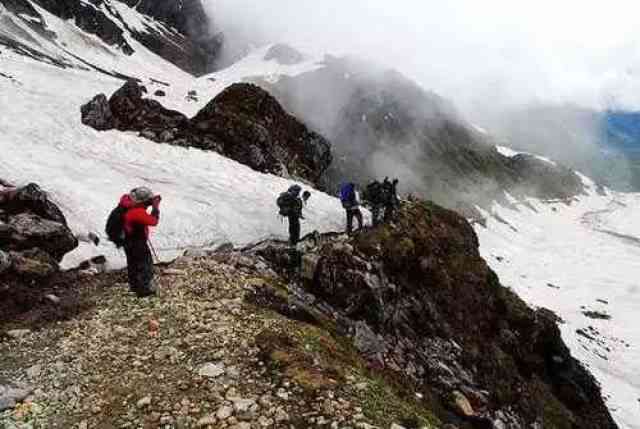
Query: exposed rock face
(417, 299)
(187, 39)
(382, 124)
(97, 113)
(244, 123)
(33, 232)
(131, 112)
(252, 127)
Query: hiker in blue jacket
(350, 198)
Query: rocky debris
(11, 394)
(18, 333)
(33, 232)
(417, 299)
(284, 55)
(244, 123)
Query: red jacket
(136, 220)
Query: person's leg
(146, 271)
(349, 221)
(131, 267)
(358, 215)
(294, 230)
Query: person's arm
(141, 217)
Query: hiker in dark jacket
(375, 198)
(291, 205)
(391, 202)
(350, 198)
(136, 236)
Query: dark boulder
(132, 112)
(159, 93)
(97, 113)
(34, 235)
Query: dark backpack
(115, 226)
(348, 195)
(374, 192)
(287, 203)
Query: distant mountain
(596, 143)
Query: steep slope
(177, 31)
(578, 258)
(208, 199)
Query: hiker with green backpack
(290, 206)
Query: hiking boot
(146, 293)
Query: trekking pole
(153, 250)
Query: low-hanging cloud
(498, 50)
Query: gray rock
(224, 412)
(11, 395)
(211, 370)
(18, 333)
(144, 402)
(34, 371)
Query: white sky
(511, 51)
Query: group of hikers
(128, 224)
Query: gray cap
(141, 194)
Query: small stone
(211, 370)
(18, 333)
(34, 371)
(224, 412)
(144, 402)
(83, 425)
(396, 426)
(52, 298)
(209, 420)
(461, 405)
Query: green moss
(384, 404)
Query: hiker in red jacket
(136, 223)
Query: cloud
(467, 50)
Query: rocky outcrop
(418, 300)
(34, 235)
(244, 123)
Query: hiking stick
(153, 250)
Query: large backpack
(115, 226)
(374, 192)
(348, 195)
(287, 203)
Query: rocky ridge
(183, 35)
(244, 123)
(400, 326)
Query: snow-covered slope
(208, 199)
(576, 258)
